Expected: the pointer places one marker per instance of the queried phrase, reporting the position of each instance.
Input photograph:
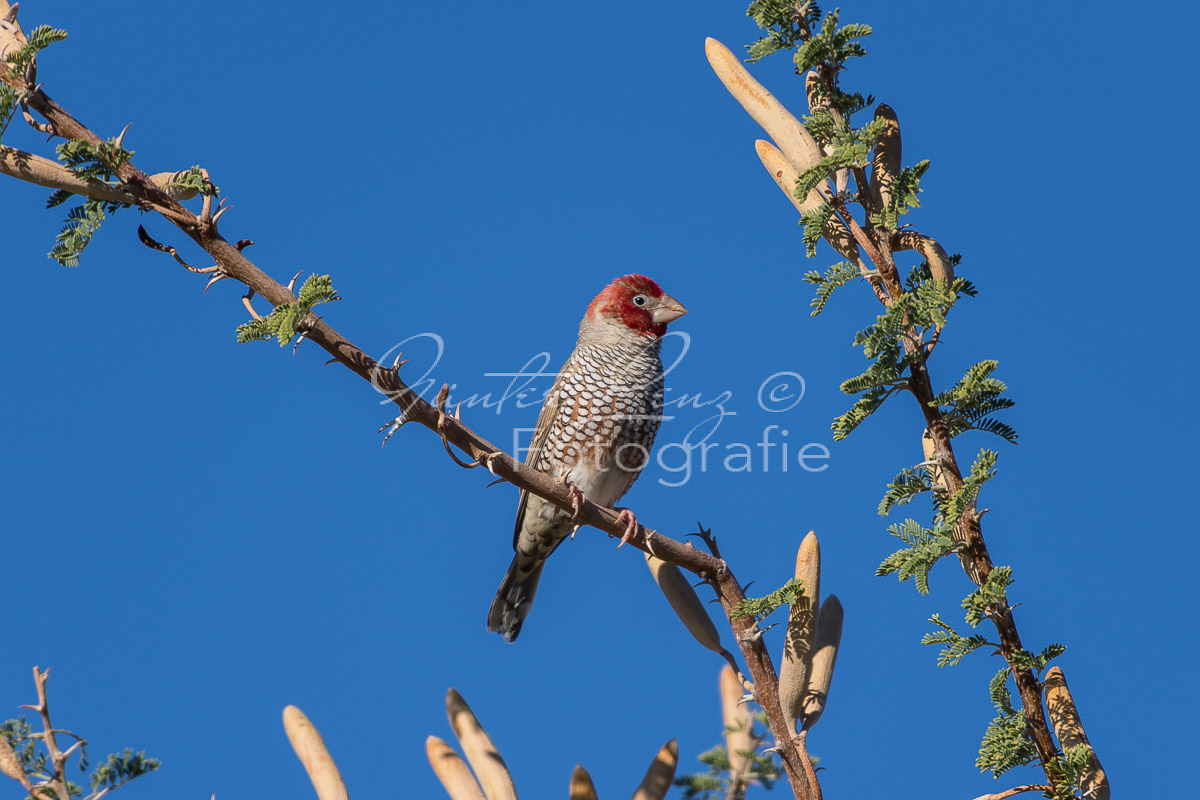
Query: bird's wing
(541, 432)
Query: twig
(1031, 787)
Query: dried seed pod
(12, 38)
(739, 723)
(452, 771)
(1069, 730)
(801, 632)
(885, 166)
(818, 102)
(785, 176)
(796, 144)
(477, 746)
(310, 749)
(661, 773)
(829, 636)
(164, 179)
(582, 787)
(10, 765)
(939, 263)
(685, 602)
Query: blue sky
(201, 532)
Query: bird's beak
(669, 309)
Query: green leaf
(834, 278)
(904, 196)
(759, 607)
(121, 769)
(904, 487)
(983, 470)
(814, 224)
(38, 39)
(955, 646)
(8, 106)
(991, 595)
(924, 548)
(285, 321)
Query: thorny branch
(879, 244)
(57, 781)
(231, 263)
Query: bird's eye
(639, 300)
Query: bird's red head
(639, 304)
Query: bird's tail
(515, 598)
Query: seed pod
(796, 144)
(818, 102)
(829, 636)
(939, 263)
(801, 632)
(1069, 730)
(739, 723)
(685, 602)
(310, 749)
(454, 774)
(12, 37)
(10, 765)
(477, 746)
(885, 166)
(164, 179)
(582, 787)
(785, 176)
(658, 778)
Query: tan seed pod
(310, 749)
(829, 637)
(10, 765)
(796, 144)
(685, 602)
(452, 771)
(661, 773)
(12, 38)
(1064, 716)
(785, 176)
(812, 85)
(885, 166)
(582, 787)
(801, 632)
(477, 746)
(939, 263)
(164, 179)
(739, 723)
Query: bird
(595, 431)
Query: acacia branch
(57, 781)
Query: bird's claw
(631, 525)
(393, 426)
(576, 500)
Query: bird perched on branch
(595, 431)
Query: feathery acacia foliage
(835, 276)
(98, 163)
(898, 346)
(285, 320)
(715, 783)
(924, 548)
(32, 757)
(761, 607)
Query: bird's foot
(393, 426)
(576, 500)
(631, 524)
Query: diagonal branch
(232, 263)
